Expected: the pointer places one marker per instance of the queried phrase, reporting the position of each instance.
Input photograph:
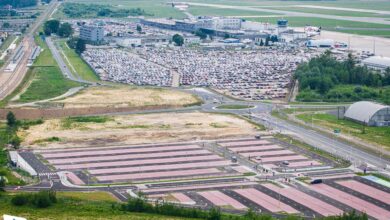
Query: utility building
(369, 113)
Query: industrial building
(92, 33)
(147, 40)
(369, 113)
(377, 62)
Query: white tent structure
(369, 113)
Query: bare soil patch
(128, 97)
(137, 129)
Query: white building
(369, 113)
(377, 62)
(219, 23)
(92, 33)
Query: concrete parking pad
(74, 179)
(314, 204)
(255, 148)
(265, 201)
(244, 143)
(128, 156)
(182, 198)
(352, 201)
(220, 199)
(199, 187)
(120, 151)
(138, 162)
(268, 153)
(140, 169)
(366, 190)
(160, 175)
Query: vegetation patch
(79, 10)
(217, 125)
(76, 64)
(47, 140)
(339, 162)
(326, 79)
(71, 122)
(47, 81)
(379, 135)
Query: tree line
(162, 208)
(325, 78)
(55, 27)
(80, 10)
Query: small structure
(369, 113)
(377, 62)
(10, 217)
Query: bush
(20, 199)
(44, 199)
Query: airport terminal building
(369, 113)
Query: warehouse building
(377, 62)
(369, 113)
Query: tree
(214, 214)
(80, 46)
(274, 38)
(201, 34)
(178, 39)
(51, 27)
(11, 120)
(267, 40)
(65, 30)
(2, 183)
(6, 25)
(139, 28)
(261, 42)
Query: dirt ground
(127, 97)
(137, 129)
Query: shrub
(20, 199)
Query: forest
(326, 79)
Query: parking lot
(203, 176)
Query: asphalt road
(61, 63)
(261, 113)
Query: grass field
(379, 135)
(159, 8)
(329, 12)
(89, 196)
(331, 25)
(364, 4)
(201, 10)
(76, 209)
(47, 79)
(7, 42)
(76, 64)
